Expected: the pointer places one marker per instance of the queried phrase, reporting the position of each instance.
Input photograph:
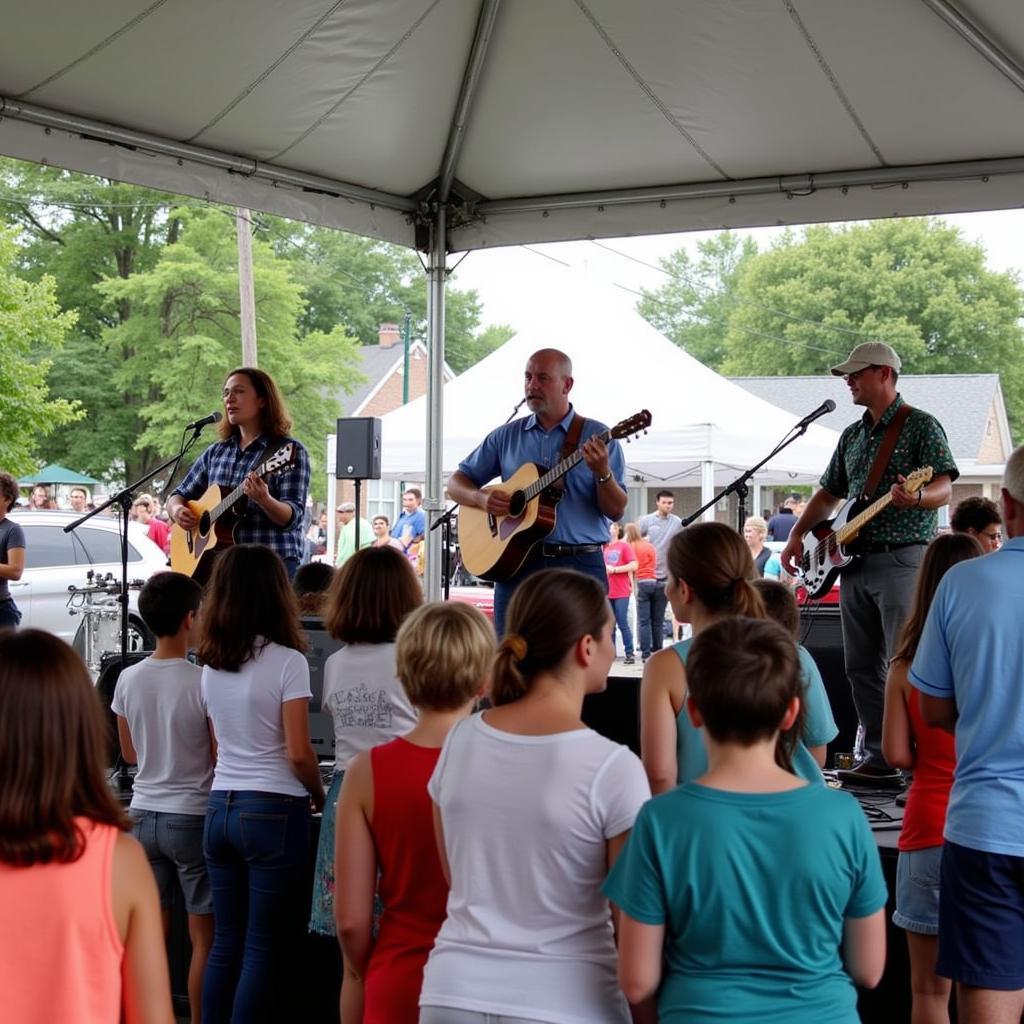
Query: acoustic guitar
(825, 554)
(193, 551)
(494, 547)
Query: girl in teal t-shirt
(739, 890)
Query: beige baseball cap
(871, 353)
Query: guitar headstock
(916, 480)
(281, 459)
(633, 425)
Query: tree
(183, 337)
(693, 307)
(361, 283)
(80, 231)
(30, 317)
(799, 307)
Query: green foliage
(359, 283)
(183, 337)
(694, 306)
(799, 307)
(29, 318)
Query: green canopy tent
(56, 474)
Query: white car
(55, 560)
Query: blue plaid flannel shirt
(227, 465)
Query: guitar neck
(850, 530)
(558, 471)
(225, 503)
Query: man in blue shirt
(595, 491)
(969, 669)
(255, 426)
(412, 523)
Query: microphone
(823, 410)
(216, 417)
(519, 406)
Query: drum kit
(99, 633)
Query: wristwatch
(604, 479)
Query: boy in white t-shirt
(162, 726)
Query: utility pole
(247, 308)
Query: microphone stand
(447, 518)
(125, 499)
(740, 486)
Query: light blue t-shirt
(752, 889)
(819, 725)
(578, 520)
(972, 652)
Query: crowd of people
(484, 855)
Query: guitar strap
(572, 442)
(892, 433)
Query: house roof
(378, 363)
(962, 402)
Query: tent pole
(707, 489)
(433, 485)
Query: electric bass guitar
(825, 545)
(193, 551)
(494, 547)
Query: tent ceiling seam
(648, 90)
(970, 33)
(256, 82)
(834, 81)
(369, 74)
(102, 45)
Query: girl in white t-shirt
(369, 598)
(531, 809)
(255, 687)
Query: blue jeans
(9, 614)
(256, 847)
(590, 563)
(650, 614)
(620, 606)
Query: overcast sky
(512, 281)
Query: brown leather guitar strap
(892, 433)
(572, 442)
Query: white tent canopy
(621, 364)
(532, 120)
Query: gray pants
(874, 600)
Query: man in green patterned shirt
(877, 589)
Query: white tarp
(621, 364)
(730, 113)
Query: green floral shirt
(922, 442)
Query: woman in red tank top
(908, 742)
(385, 832)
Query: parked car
(479, 596)
(55, 560)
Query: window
(49, 546)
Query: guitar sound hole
(516, 504)
(204, 523)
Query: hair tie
(516, 644)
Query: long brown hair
(274, 419)
(942, 554)
(549, 612)
(248, 604)
(715, 560)
(742, 674)
(53, 740)
(370, 596)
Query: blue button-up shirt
(578, 520)
(227, 465)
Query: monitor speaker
(358, 448)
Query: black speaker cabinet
(358, 449)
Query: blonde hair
(443, 655)
(757, 523)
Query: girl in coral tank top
(80, 931)
(908, 742)
(385, 819)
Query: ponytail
(716, 562)
(549, 612)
